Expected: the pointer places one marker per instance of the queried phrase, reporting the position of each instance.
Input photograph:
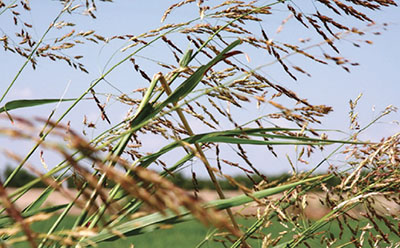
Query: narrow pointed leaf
(11, 105)
(228, 136)
(39, 202)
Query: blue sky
(377, 77)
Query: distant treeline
(23, 177)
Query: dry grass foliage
(111, 172)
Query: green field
(189, 234)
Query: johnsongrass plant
(195, 104)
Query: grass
(191, 233)
(198, 83)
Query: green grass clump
(191, 233)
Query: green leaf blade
(26, 103)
